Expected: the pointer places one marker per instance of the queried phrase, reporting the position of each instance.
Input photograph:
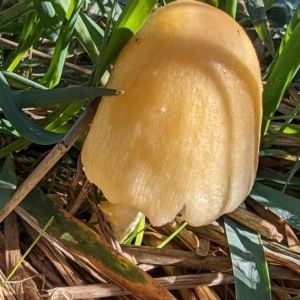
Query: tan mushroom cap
(184, 136)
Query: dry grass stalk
(211, 232)
(200, 292)
(280, 223)
(186, 237)
(178, 258)
(12, 250)
(170, 282)
(256, 223)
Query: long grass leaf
(9, 15)
(287, 65)
(7, 128)
(88, 33)
(283, 126)
(132, 18)
(54, 72)
(231, 6)
(27, 128)
(21, 82)
(290, 28)
(40, 98)
(31, 33)
(91, 42)
(12, 272)
(97, 73)
(250, 269)
(49, 19)
(282, 205)
(258, 17)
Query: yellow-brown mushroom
(184, 136)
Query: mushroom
(184, 136)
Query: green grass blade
(279, 180)
(250, 269)
(259, 20)
(97, 73)
(57, 118)
(7, 185)
(54, 72)
(40, 98)
(132, 18)
(283, 126)
(171, 236)
(21, 82)
(7, 128)
(88, 33)
(231, 6)
(15, 12)
(31, 34)
(140, 231)
(15, 268)
(287, 65)
(27, 128)
(292, 25)
(49, 19)
(292, 173)
(282, 205)
(91, 42)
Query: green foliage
(52, 36)
(60, 22)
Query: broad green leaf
(282, 205)
(259, 20)
(287, 65)
(54, 72)
(49, 19)
(83, 242)
(250, 269)
(25, 126)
